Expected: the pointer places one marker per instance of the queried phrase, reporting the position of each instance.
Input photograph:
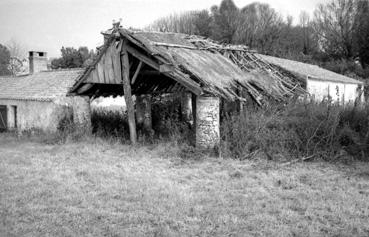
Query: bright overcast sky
(47, 25)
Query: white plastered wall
(46, 115)
(337, 91)
(34, 114)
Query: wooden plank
(100, 71)
(128, 94)
(117, 64)
(166, 68)
(136, 73)
(173, 45)
(110, 65)
(184, 80)
(84, 88)
(107, 66)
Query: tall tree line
(336, 34)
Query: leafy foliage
(73, 58)
(4, 60)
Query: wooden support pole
(128, 94)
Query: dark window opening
(15, 116)
(30, 54)
(41, 54)
(3, 118)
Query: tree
(73, 58)
(361, 32)
(18, 55)
(305, 25)
(259, 26)
(202, 23)
(190, 22)
(225, 21)
(4, 60)
(16, 49)
(334, 26)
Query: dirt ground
(100, 188)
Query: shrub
(298, 129)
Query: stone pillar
(82, 111)
(186, 106)
(143, 112)
(207, 122)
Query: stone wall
(46, 115)
(34, 114)
(207, 122)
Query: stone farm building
(39, 100)
(142, 64)
(149, 63)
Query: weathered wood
(173, 45)
(128, 94)
(185, 81)
(166, 68)
(84, 88)
(137, 72)
(100, 70)
(193, 101)
(142, 57)
(109, 65)
(177, 76)
(116, 63)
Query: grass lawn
(96, 188)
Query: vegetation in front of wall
(167, 124)
(298, 130)
(278, 132)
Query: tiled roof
(41, 86)
(308, 70)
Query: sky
(47, 25)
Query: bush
(297, 130)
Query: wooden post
(193, 101)
(128, 94)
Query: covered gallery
(147, 63)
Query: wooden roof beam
(167, 70)
(138, 69)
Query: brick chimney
(37, 61)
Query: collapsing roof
(41, 86)
(170, 62)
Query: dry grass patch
(95, 188)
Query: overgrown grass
(279, 132)
(297, 130)
(100, 188)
